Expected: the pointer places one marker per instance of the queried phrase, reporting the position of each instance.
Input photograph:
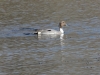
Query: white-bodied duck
(52, 31)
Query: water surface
(76, 53)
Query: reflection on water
(47, 36)
(75, 53)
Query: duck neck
(61, 30)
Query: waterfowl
(51, 31)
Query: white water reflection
(47, 36)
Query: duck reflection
(54, 37)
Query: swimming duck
(52, 31)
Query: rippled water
(23, 53)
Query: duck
(52, 31)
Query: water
(76, 53)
